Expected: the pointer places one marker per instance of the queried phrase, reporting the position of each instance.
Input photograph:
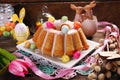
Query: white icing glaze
(53, 31)
(54, 41)
(58, 24)
(65, 43)
(72, 31)
(44, 25)
(44, 42)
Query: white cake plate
(58, 61)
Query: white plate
(58, 61)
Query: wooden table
(10, 45)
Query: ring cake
(60, 37)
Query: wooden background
(106, 10)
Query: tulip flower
(18, 67)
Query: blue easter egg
(65, 29)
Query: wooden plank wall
(105, 10)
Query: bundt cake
(60, 37)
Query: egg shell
(90, 27)
(65, 58)
(65, 29)
(49, 24)
(76, 55)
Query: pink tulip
(18, 67)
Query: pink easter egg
(49, 24)
(76, 55)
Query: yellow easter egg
(2, 28)
(38, 23)
(65, 58)
(51, 19)
(27, 44)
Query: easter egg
(65, 29)
(12, 25)
(8, 28)
(27, 44)
(90, 27)
(65, 58)
(2, 28)
(76, 55)
(64, 18)
(32, 46)
(6, 33)
(49, 24)
(1, 33)
(7, 24)
(77, 25)
(38, 24)
(51, 19)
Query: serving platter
(57, 61)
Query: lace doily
(53, 69)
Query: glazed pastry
(60, 37)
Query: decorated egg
(2, 28)
(32, 46)
(9, 25)
(65, 58)
(51, 19)
(76, 55)
(77, 25)
(65, 29)
(6, 33)
(90, 27)
(1, 33)
(64, 18)
(49, 24)
(21, 32)
(38, 24)
(27, 44)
